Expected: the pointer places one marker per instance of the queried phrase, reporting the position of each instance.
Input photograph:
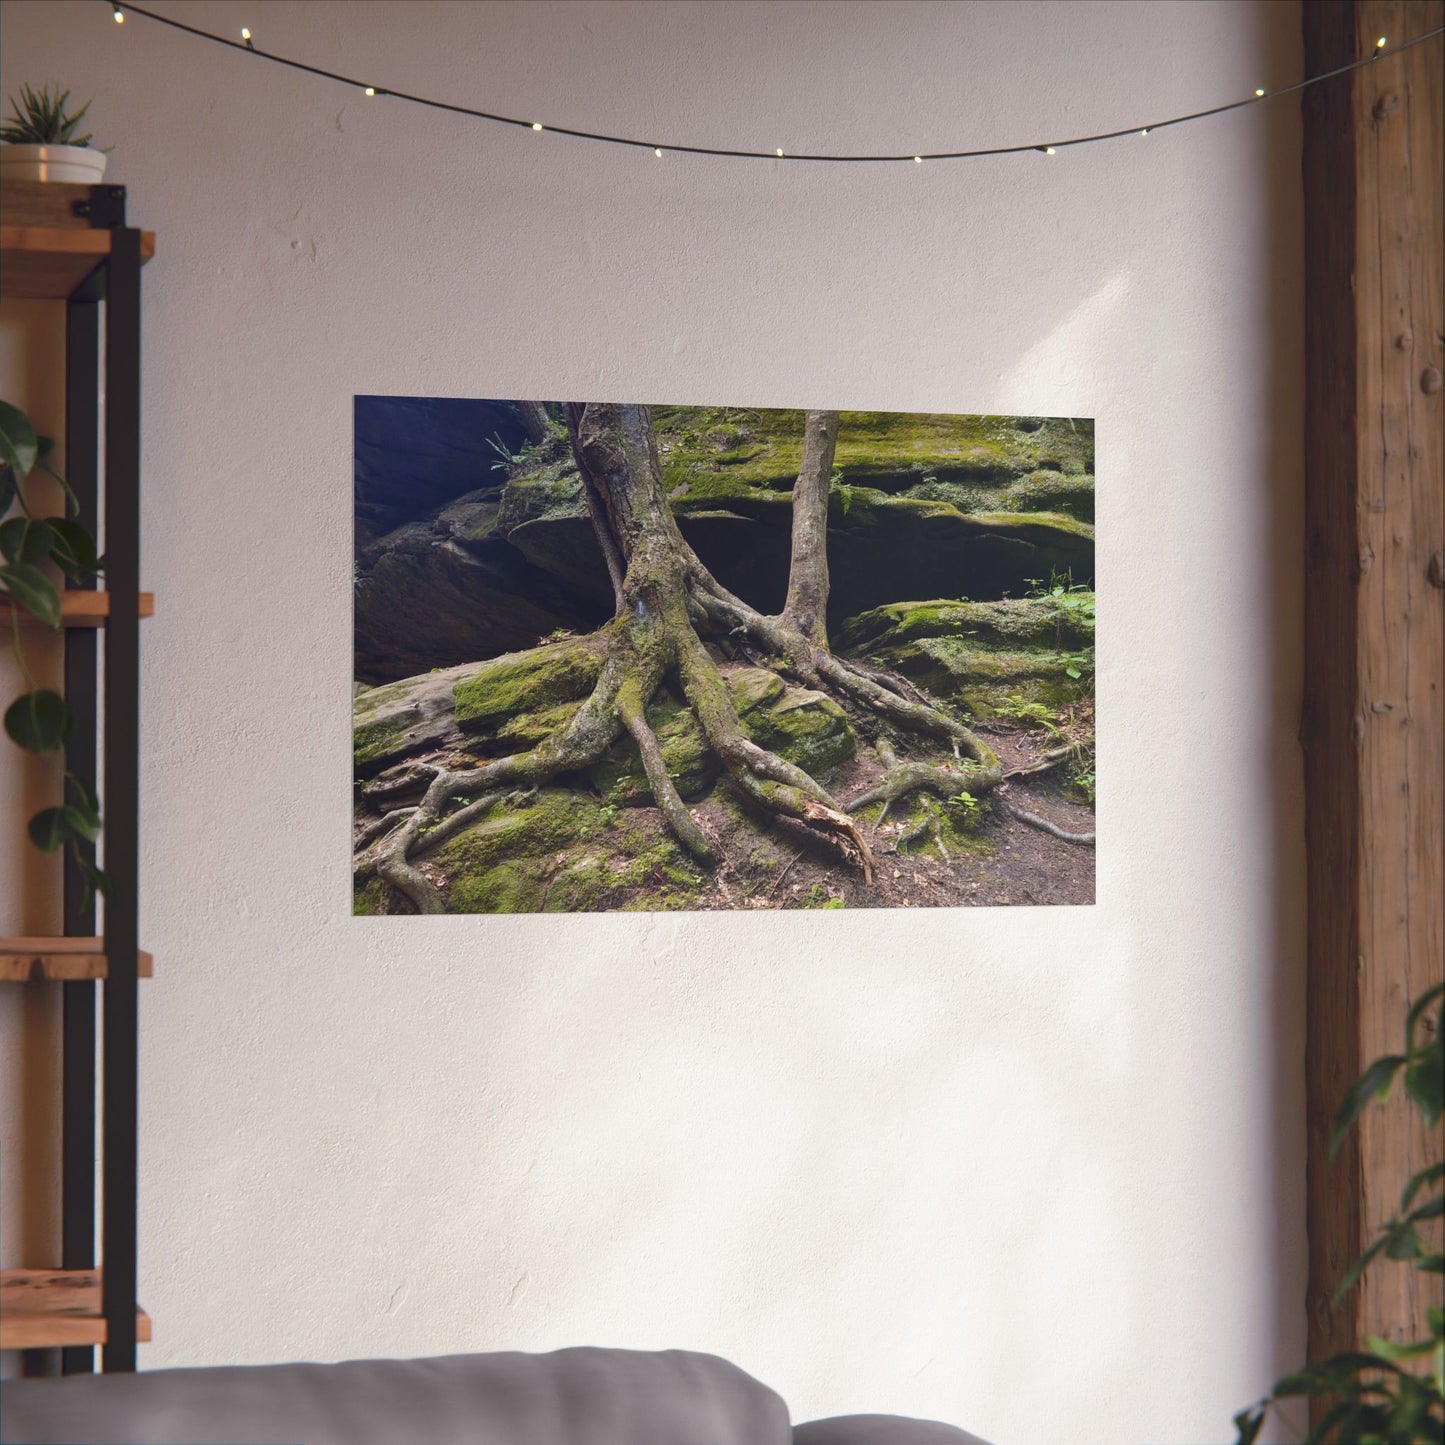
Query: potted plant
(40, 144)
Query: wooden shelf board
(79, 609)
(35, 960)
(49, 1308)
(49, 262)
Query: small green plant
(1374, 1399)
(1071, 607)
(40, 720)
(39, 118)
(608, 813)
(844, 491)
(967, 810)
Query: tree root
(1043, 764)
(1043, 824)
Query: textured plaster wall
(1036, 1172)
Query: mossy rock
(491, 695)
(988, 656)
(1047, 491)
(1013, 623)
(399, 719)
(564, 853)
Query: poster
(613, 657)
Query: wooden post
(1374, 718)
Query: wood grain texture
(50, 204)
(35, 960)
(49, 1308)
(1374, 720)
(48, 263)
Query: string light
(118, 9)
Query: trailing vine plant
(1375, 1395)
(40, 720)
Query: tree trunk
(807, 606)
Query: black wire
(249, 47)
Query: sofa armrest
(880, 1430)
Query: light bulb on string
(537, 125)
(657, 151)
(370, 90)
(1050, 151)
(779, 154)
(1380, 43)
(918, 160)
(246, 36)
(1259, 93)
(1145, 131)
(119, 14)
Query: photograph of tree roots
(635, 658)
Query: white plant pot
(80, 165)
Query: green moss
(807, 728)
(370, 899)
(523, 682)
(1052, 492)
(372, 742)
(891, 450)
(1011, 624)
(528, 729)
(690, 763)
(804, 727)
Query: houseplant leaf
(33, 590)
(39, 721)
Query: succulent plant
(40, 118)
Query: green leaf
(1417, 1008)
(25, 540)
(74, 549)
(33, 590)
(1374, 1083)
(1427, 1175)
(94, 880)
(48, 829)
(1389, 1350)
(1425, 1081)
(1073, 672)
(1249, 1424)
(8, 489)
(19, 446)
(1358, 1268)
(39, 721)
(1402, 1243)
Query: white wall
(1034, 1171)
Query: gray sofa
(571, 1397)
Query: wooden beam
(1374, 718)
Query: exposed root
(631, 709)
(929, 825)
(1044, 826)
(1043, 763)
